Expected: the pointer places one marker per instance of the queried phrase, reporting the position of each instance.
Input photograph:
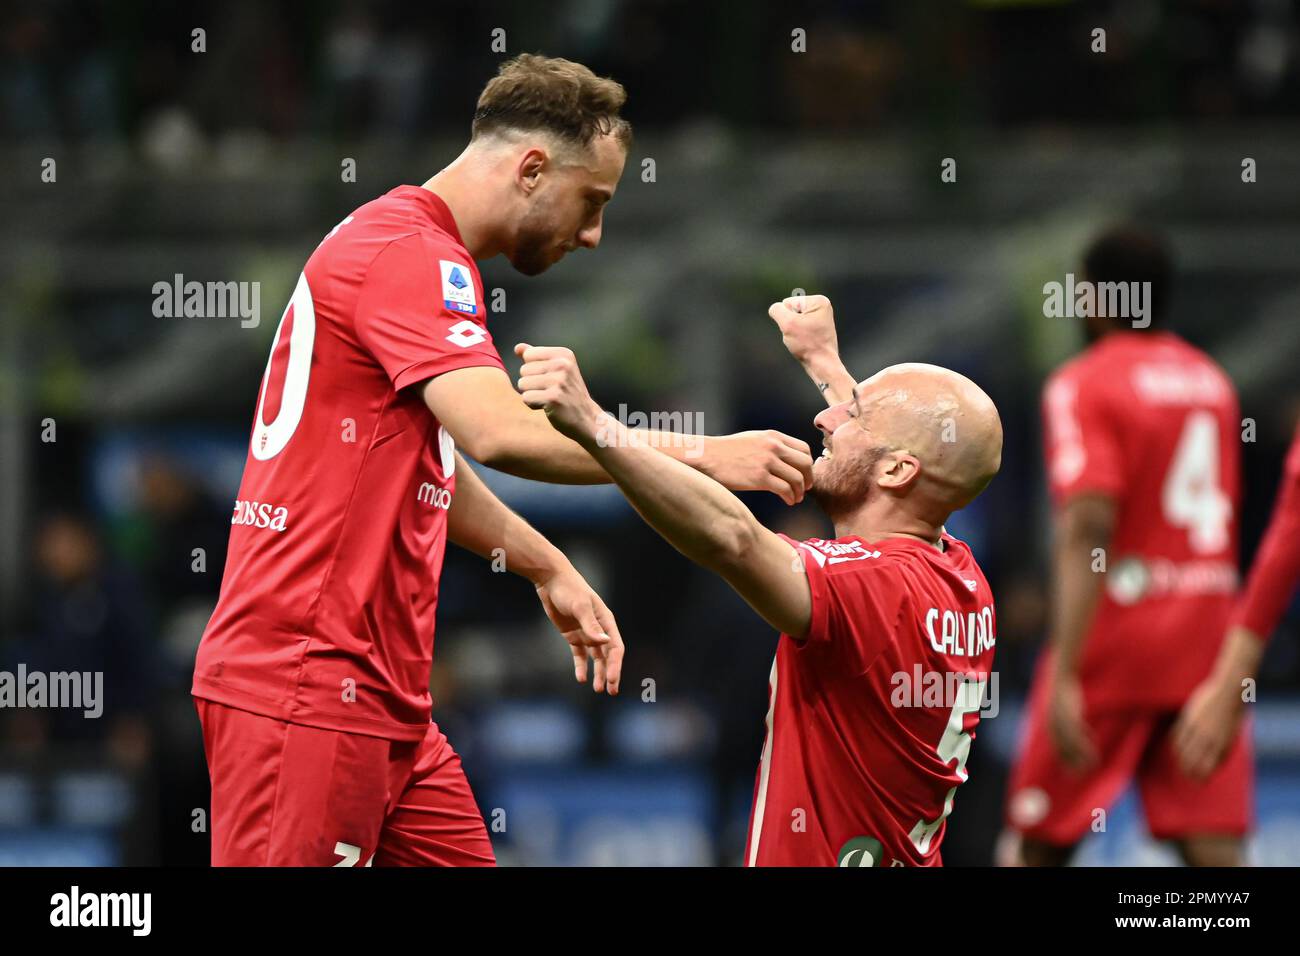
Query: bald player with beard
(887, 631)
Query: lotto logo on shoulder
(457, 287)
(466, 333)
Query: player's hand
(1207, 726)
(587, 624)
(759, 461)
(807, 324)
(1066, 725)
(551, 380)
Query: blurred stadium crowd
(122, 435)
(107, 71)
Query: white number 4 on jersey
(1192, 496)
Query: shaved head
(941, 417)
(926, 438)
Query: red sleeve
(404, 322)
(857, 602)
(1081, 439)
(1276, 569)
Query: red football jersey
(1276, 570)
(1152, 422)
(872, 714)
(326, 613)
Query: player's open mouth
(826, 454)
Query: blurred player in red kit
(1209, 723)
(312, 678)
(888, 630)
(1143, 463)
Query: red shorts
(290, 795)
(1055, 804)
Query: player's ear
(898, 470)
(531, 166)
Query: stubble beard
(532, 253)
(842, 487)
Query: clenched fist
(550, 380)
(807, 324)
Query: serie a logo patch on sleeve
(457, 287)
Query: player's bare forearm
(1276, 569)
(484, 414)
(1209, 719)
(521, 447)
(480, 522)
(695, 514)
(1239, 656)
(1083, 534)
(531, 448)
(832, 379)
(692, 512)
(711, 526)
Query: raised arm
(480, 522)
(482, 411)
(693, 513)
(807, 324)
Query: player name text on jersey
(961, 635)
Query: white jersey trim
(765, 769)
